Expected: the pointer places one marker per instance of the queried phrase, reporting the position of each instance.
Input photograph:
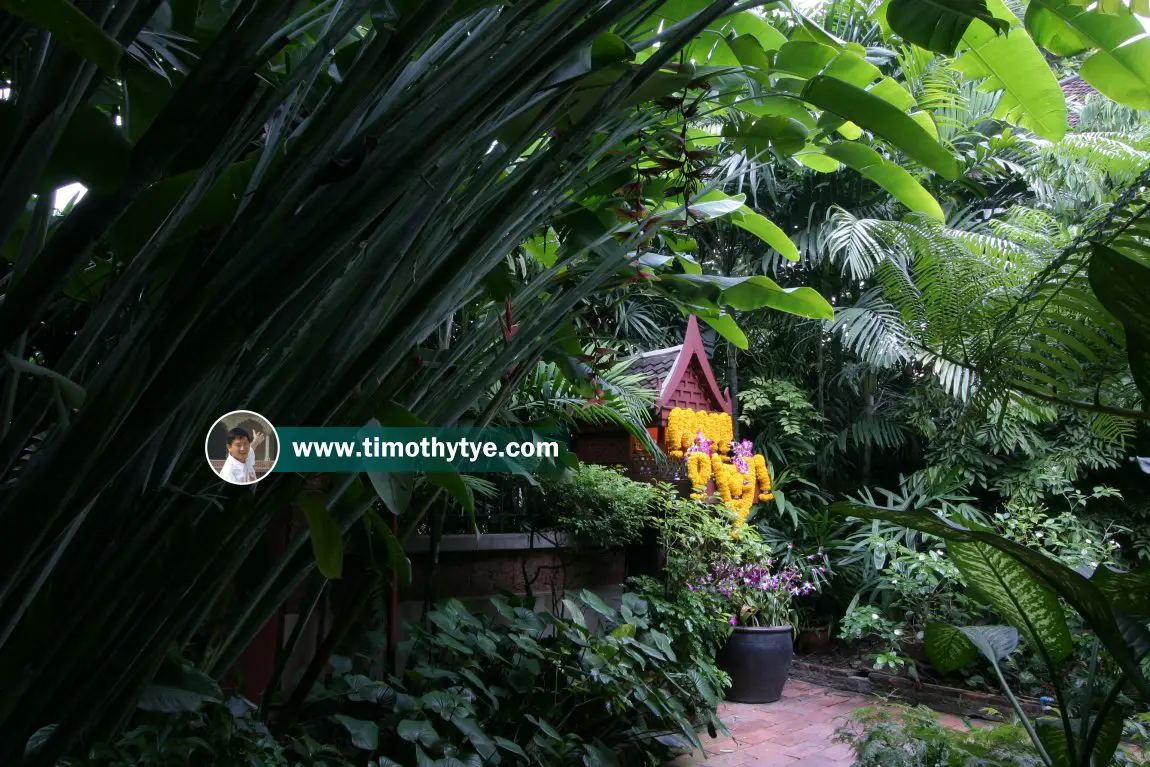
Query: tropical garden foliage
(925, 287)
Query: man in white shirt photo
(240, 467)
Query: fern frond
(1113, 429)
(874, 330)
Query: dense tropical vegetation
(922, 267)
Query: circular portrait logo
(242, 447)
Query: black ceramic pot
(758, 660)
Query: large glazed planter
(758, 660)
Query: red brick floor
(796, 730)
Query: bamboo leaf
(73, 393)
(91, 151)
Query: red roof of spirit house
(681, 377)
(1076, 90)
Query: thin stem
(1026, 725)
(1087, 701)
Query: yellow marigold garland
(698, 469)
(706, 440)
(762, 477)
(684, 424)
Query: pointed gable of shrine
(682, 376)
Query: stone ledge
(830, 676)
(492, 542)
(950, 700)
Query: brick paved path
(796, 730)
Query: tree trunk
(868, 410)
(820, 399)
(733, 385)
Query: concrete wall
(473, 570)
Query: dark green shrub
(225, 734)
(600, 508)
(529, 687)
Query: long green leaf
(454, 484)
(1052, 734)
(71, 27)
(881, 117)
(996, 643)
(750, 293)
(1011, 63)
(326, 535)
(757, 224)
(1128, 590)
(938, 25)
(886, 174)
(726, 326)
(397, 558)
(1120, 64)
(947, 647)
(767, 231)
(1109, 735)
(1121, 280)
(1015, 594)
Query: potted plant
(759, 594)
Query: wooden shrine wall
(691, 392)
